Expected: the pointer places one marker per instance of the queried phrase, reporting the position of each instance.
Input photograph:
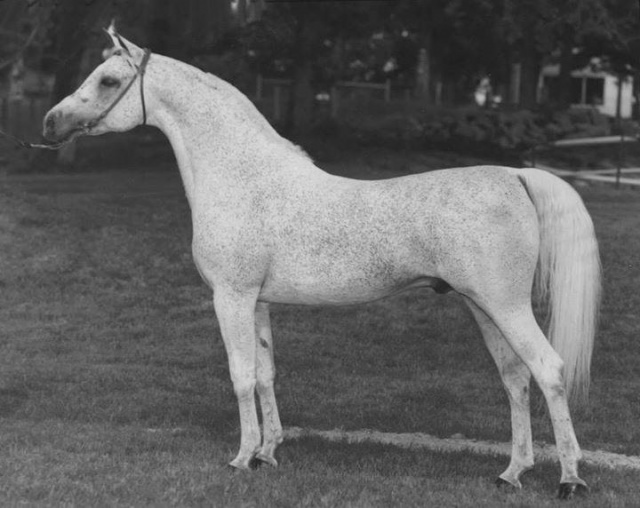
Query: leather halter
(140, 71)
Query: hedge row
(516, 130)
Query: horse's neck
(216, 133)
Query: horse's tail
(568, 276)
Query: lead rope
(88, 126)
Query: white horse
(270, 226)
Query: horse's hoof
(266, 459)
(241, 465)
(571, 490)
(233, 468)
(255, 463)
(503, 484)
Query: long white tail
(568, 275)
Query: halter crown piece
(140, 71)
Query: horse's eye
(109, 82)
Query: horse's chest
(228, 251)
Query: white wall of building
(610, 89)
(611, 97)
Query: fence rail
(279, 85)
(598, 175)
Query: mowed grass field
(114, 386)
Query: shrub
(475, 129)
(513, 130)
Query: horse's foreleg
(516, 378)
(265, 374)
(519, 327)
(236, 314)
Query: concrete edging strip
(419, 440)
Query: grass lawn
(114, 386)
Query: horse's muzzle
(50, 125)
(57, 126)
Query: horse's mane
(247, 107)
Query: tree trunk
(566, 66)
(300, 107)
(515, 80)
(160, 28)
(302, 96)
(71, 40)
(529, 73)
(70, 37)
(209, 20)
(423, 75)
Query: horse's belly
(341, 283)
(310, 295)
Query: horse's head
(107, 101)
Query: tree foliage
(319, 43)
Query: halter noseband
(140, 71)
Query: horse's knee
(244, 386)
(264, 383)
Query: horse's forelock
(110, 52)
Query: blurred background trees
(436, 51)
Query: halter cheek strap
(140, 71)
(147, 55)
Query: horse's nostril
(50, 122)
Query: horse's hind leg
(516, 377)
(518, 325)
(265, 374)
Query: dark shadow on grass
(12, 399)
(370, 459)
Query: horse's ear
(113, 35)
(121, 44)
